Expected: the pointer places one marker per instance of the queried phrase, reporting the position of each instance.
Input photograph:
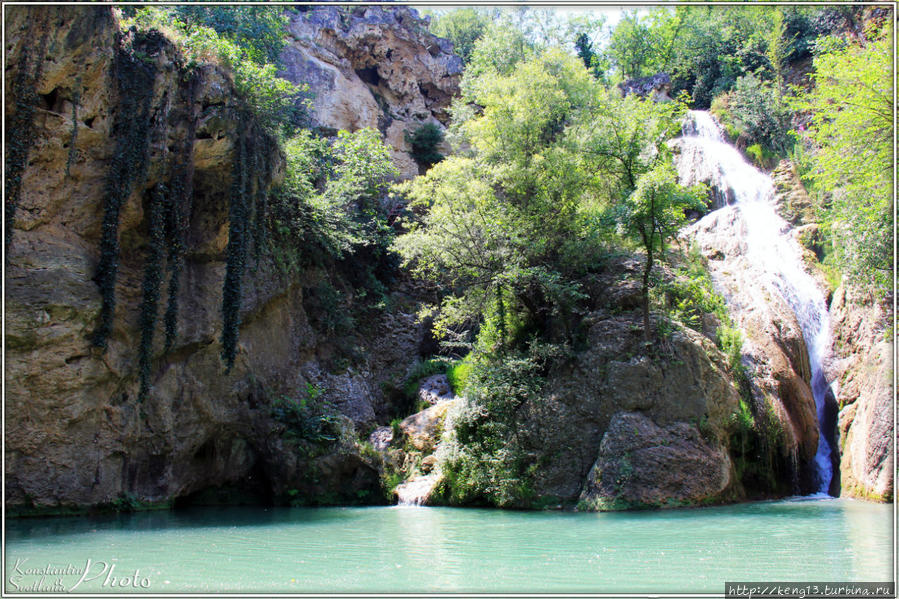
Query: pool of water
(395, 549)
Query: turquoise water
(391, 550)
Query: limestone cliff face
(77, 435)
(860, 359)
(375, 67)
(862, 368)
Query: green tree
(852, 129)
(631, 47)
(779, 49)
(595, 62)
(761, 114)
(464, 27)
(329, 198)
(500, 222)
(653, 213)
(627, 138)
(258, 30)
(643, 45)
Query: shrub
(459, 374)
(306, 417)
(424, 142)
(761, 115)
(490, 462)
(247, 41)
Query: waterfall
(416, 491)
(705, 156)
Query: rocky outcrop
(373, 66)
(792, 201)
(774, 350)
(78, 435)
(616, 417)
(643, 464)
(656, 86)
(862, 367)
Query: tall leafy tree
(500, 222)
(653, 213)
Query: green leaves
(248, 41)
(463, 27)
(655, 210)
(331, 198)
(761, 114)
(852, 129)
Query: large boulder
(641, 464)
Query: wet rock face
(774, 350)
(373, 66)
(861, 366)
(435, 389)
(77, 434)
(423, 429)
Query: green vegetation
(307, 418)
(247, 42)
(236, 251)
(152, 279)
(463, 27)
(851, 133)
(654, 213)
(491, 462)
(20, 126)
(134, 77)
(328, 206)
(424, 142)
(177, 215)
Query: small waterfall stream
(416, 491)
(705, 156)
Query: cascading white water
(706, 157)
(416, 491)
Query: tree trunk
(646, 336)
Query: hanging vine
(236, 251)
(267, 148)
(177, 216)
(20, 126)
(135, 75)
(152, 279)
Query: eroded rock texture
(77, 435)
(862, 368)
(375, 67)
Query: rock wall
(861, 367)
(373, 67)
(774, 351)
(860, 364)
(617, 425)
(77, 434)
